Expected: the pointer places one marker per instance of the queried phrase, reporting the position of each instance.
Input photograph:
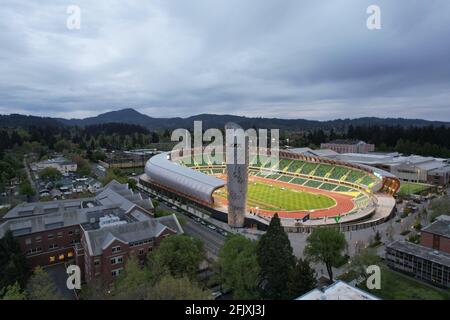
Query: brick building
(348, 146)
(437, 235)
(429, 261)
(98, 234)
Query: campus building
(98, 234)
(348, 146)
(338, 291)
(413, 168)
(60, 163)
(429, 261)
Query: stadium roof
(182, 179)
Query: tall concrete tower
(237, 173)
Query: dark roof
(345, 141)
(419, 251)
(439, 227)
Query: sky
(287, 59)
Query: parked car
(212, 227)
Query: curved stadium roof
(182, 179)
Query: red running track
(344, 203)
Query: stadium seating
(322, 170)
(338, 172)
(308, 167)
(312, 183)
(354, 175)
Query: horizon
(224, 114)
(295, 60)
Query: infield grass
(274, 197)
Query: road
(211, 239)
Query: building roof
(338, 291)
(115, 198)
(420, 251)
(183, 179)
(345, 141)
(440, 227)
(99, 239)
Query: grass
(396, 286)
(268, 197)
(407, 188)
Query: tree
(27, 190)
(326, 245)
(177, 288)
(13, 264)
(50, 174)
(41, 286)
(303, 279)
(358, 265)
(131, 284)
(276, 261)
(13, 292)
(239, 269)
(179, 254)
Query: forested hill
(131, 116)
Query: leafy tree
(179, 254)
(50, 174)
(41, 286)
(132, 282)
(326, 245)
(361, 261)
(13, 264)
(27, 190)
(303, 279)
(238, 264)
(132, 183)
(13, 292)
(276, 261)
(177, 288)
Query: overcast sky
(283, 58)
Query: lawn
(407, 188)
(267, 197)
(395, 286)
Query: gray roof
(439, 227)
(112, 199)
(185, 180)
(419, 251)
(99, 239)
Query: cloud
(291, 59)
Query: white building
(338, 291)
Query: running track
(344, 203)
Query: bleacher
(308, 167)
(322, 170)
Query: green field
(407, 188)
(267, 197)
(396, 286)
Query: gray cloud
(291, 58)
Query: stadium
(304, 191)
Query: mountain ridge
(132, 116)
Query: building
(128, 159)
(413, 168)
(348, 146)
(98, 234)
(60, 163)
(337, 291)
(437, 235)
(421, 262)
